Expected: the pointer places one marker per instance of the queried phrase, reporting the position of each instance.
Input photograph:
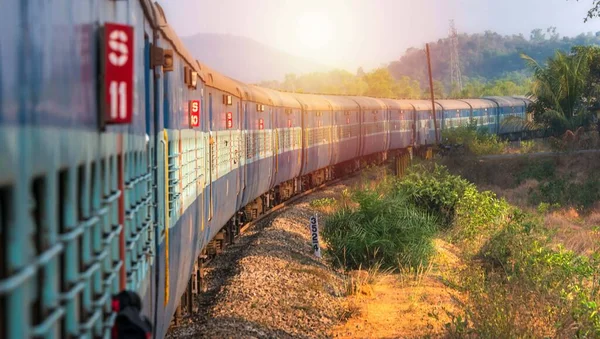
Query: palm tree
(558, 88)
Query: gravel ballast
(269, 284)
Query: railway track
(227, 273)
(191, 303)
(196, 299)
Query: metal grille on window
(174, 180)
(138, 217)
(200, 159)
(188, 168)
(224, 155)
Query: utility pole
(437, 139)
(455, 74)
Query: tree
(594, 11)
(407, 88)
(591, 92)
(559, 87)
(439, 92)
(553, 34)
(380, 82)
(537, 35)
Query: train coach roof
(397, 104)
(313, 102)
(341, 103)
(527, 100)
(480, 103)
(280, 99)
(506, 101)
(219, 81)
(453, 104)
(260, 95)
(422, 105)
(368, 103)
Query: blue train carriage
(424, 127)
(76, 219)
(374, 127)
(511, 115)
(401, 123)
(455, 113)
(287, 145)
(317, 121)
(484, 113)
(225, 178)
(259, 168)
(346, 133)
(184, 177)
(527, 101)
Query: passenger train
(124, 161)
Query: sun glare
(314, 30)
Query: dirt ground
(409, 305)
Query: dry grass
(409, 304)
(576, 232)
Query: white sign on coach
(314, 229)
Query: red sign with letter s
(229, 120)
(195, 113)
(118, 62)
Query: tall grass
(559, 190)
(384, 229)
(527, 288)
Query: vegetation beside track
(517, 275)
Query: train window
(194, 80)
(227, 100)
(186, 75)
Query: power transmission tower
(455, 74)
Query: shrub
(477, 213)
(525, 281)
(476, 141)
(434, 189)
(560, 191)
(385, 229)
(487, 144)
(538, 170)
(527, 146)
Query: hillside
(245, 59)
(486, 56)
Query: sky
(368, 33)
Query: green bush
(434, 189)
(560, 191)
(527, 146)
(476, 140)
(525, 280)
(538, 170)
(385, 229)
(477, 213)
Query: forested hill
(487, 56)
(245, 59)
